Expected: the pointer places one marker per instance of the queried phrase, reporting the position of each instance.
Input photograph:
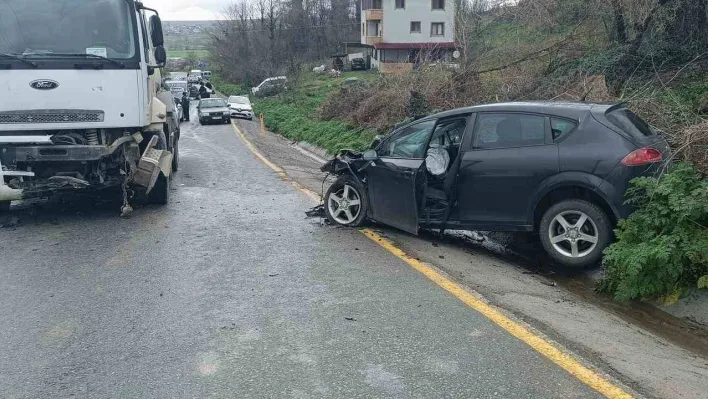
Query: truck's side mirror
(375, 142)
(160, 55)
(369, 155)
(156, 31)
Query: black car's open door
(392, 192)
(393, 178)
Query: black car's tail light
(642, 156)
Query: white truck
(82, 106)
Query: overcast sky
(189, 10)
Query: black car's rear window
(630, 123)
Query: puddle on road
(524, 250)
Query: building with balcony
(404, 34)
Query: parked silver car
(213, 110)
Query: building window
(437, 29)
(415, 27)
(400, 3)
(438, 4)
(363, 29)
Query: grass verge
(295, 114)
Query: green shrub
(662, 248)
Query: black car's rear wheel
(346, 202)
(4, 206)
(575, 232)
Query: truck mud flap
(151, 164)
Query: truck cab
(84, 80)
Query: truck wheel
(346, 202)
(160, 193)
(4, 206)
(175, 156)
(575, 232)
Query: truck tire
(160, 193)
(4, 206)
(573, 242)
(175, 156)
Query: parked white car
(270, 86)
(240, 107)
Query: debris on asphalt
(316, 212)
(350, 318)
(126, 210)
(441, 256)
(274, 275)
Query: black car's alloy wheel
(346, 202)
(575, 232)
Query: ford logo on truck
(44, 84)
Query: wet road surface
(230, 292)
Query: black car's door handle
(408, 173)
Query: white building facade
(407, 33)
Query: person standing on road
(185, 106)
(203, 92)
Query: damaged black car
(557, 169)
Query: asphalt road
(229, 291)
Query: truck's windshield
(99, 27)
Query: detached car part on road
(558, 169)
(213, 110)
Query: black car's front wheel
(346, 202)
(575, 232)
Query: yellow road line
(544, 347)
(541, 345)
(281, 173)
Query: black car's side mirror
(370, 155)
(375, 142)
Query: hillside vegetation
(651, 54)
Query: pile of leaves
(662, 248)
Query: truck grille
(50, 116)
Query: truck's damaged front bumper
(17, 184)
